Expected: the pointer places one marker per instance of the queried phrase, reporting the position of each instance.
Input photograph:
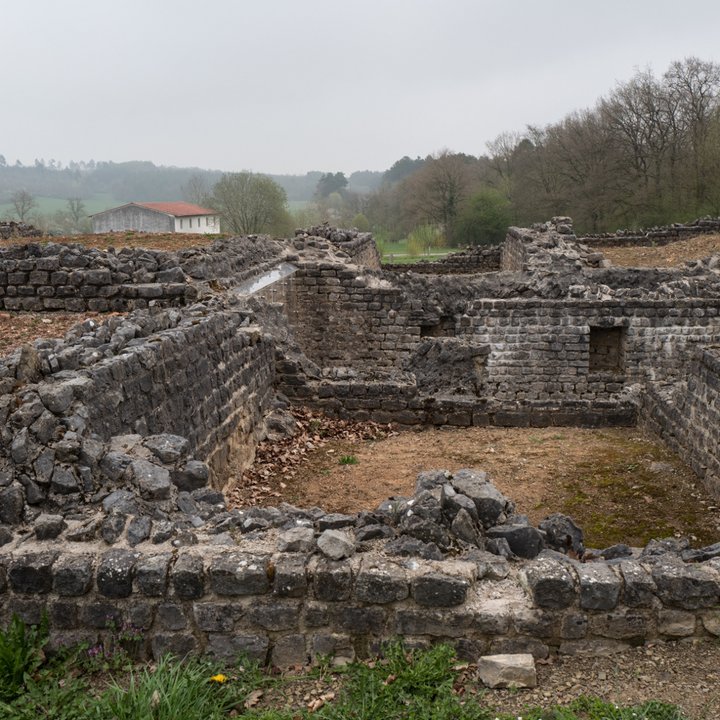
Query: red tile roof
(178, 209)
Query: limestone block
(512, 670)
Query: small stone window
(607, 352)
(445, 328)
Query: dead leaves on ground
(276, 463)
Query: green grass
(397, 252)
(348, 460)
(399, 685)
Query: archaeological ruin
(116, 440)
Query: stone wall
(473, 260)
(289, 607)
(205, 375)
(75, 279)
(654, 236)
(686, 415)
(358, 247)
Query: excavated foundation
(116, 441)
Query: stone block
(501, 671)
(675, 623)
(381, 585)
(179, 645)
(290, 577)
(73, 575)
(599, 586)
(32, 572)
(685, 586)
(232, 647)
(239, 574)
(275, 616)
(638, 587)
(438, 590)
(115, 573)
(171, 616)
(621, 625)
(550, 584)
(359, 620)
(216, 617)
(332, 581)
(439, 623)
(188, 577)
(289, 650)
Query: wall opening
(607, 349)
(444, 328)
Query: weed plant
(21, 653)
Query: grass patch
(348, 460)
(401, 684)
(618, 497)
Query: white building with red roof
(157, 217)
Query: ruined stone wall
(75, 279)
(341, 316)
(686, 415)
(473, 260)
(654, 236)
(358, 247)
(289, 607)
(537, 349)
(204, 375)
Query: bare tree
(24, 203)
(76, 210)
(695, 85)
(435, 193)
(196, 190)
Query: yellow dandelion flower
(219, 678)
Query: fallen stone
(513, 670)
(167, 448)
(112, 528)
(139, 530)
(562, 534)
(524, 540)
(336, 544)
(12, 504)
(48, 527)
(152, 481)
(298, 539)
(192, 476)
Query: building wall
(197, 224)
(134, 218)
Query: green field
(397, 252)
(49, 206)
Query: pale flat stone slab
(511, 670)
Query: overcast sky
(288, 86)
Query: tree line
(648, 153)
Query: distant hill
(105, 184)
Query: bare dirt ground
(619, 485)
(672, 255)
(118, 240)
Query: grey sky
(287, 86)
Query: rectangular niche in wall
(607, 349)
